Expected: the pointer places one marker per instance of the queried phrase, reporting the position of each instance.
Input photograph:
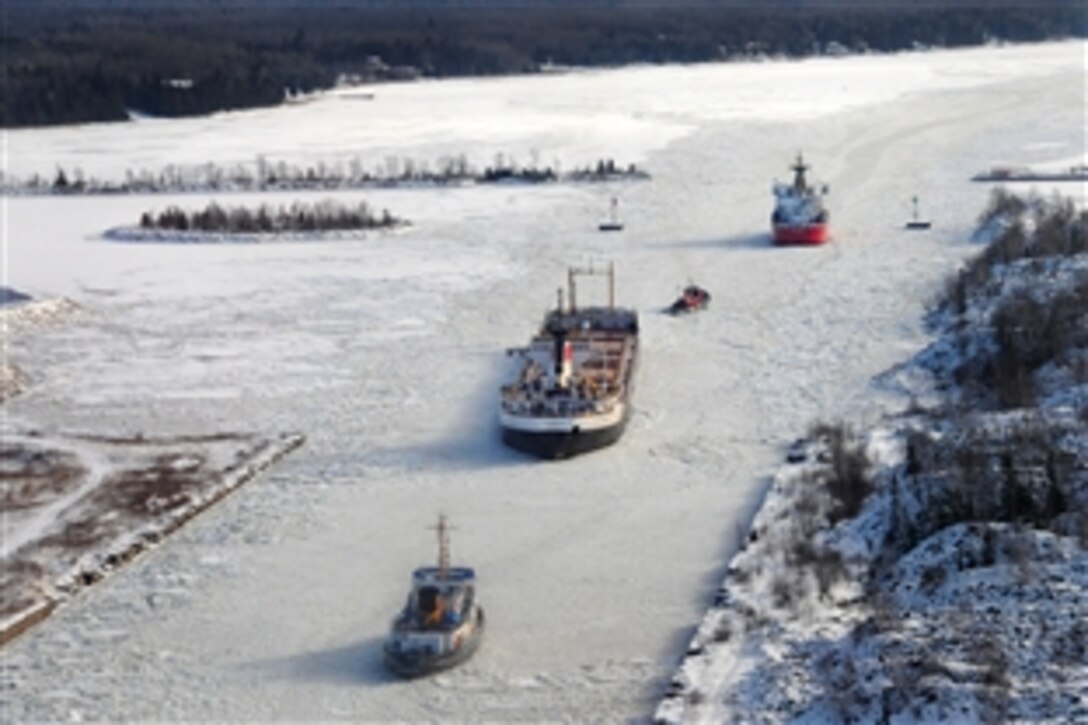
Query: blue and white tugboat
(570, 390)
(441, 625)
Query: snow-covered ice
(386, 353)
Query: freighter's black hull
(562, 445)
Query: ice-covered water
(386, 352)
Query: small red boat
(800, 216)
(691, 299)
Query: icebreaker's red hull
(800, 233)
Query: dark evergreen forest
(65, 61)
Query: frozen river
(387, 353)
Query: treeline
(98, 61)
(1008, 445)
(326, 215)
(1007, 334)
(265, 175)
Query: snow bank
(12, 381)
(33, 313)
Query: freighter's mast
(573, 272)
(611, 285)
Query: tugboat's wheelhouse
(441, 624)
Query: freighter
(571, 387)
(800, 216)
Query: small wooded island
(327, 215)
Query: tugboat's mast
(443, 547)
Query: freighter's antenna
(612, 285)
(591, 270)
(443, 547)
(570, 285)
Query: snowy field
(386, 352)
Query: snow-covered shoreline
(981, 621)
(88, 535)
(954, 588)
(33, 313)
(57, 541)
(20, 312)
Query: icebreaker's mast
(799, 168)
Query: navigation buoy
(916, 222)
